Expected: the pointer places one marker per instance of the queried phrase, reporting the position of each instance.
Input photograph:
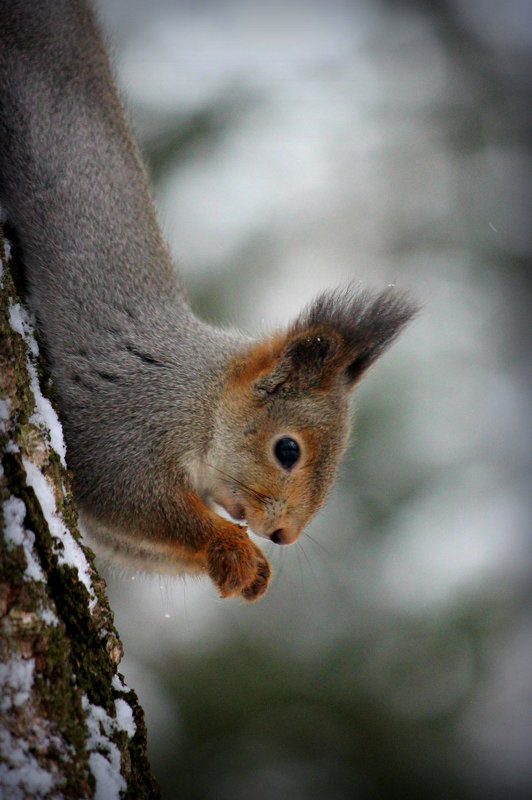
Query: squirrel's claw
(260, 584)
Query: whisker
(307, 559)
(319, 544)
(248, 489)
(281, 562)
(300, 567)
(275, 556)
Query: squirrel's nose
(283, 536)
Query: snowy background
(300, 145)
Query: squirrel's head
(283, 420)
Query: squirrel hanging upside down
(165, 417)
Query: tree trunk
(69, 727)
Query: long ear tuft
(365, 323)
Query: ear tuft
(309, 352)
(364, 322)
(301, 364)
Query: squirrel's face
(283, 417)
(273, 459)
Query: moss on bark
(59, 650)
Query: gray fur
(141, 380)
(136, 373)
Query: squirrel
(180, 435)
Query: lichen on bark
(69, 727)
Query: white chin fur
(220, 510)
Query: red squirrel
(165, 418)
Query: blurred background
(299, 145)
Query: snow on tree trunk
(69, 727)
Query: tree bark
(69, 727)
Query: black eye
(287, 452)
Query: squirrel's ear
(338, 336)
(341, 334)
(302, 362)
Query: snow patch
(44, 417)
(16, 681)
(106, 771)
(104, 755)
(21, 776)
(16, 535)
(118, 684)
(71, 554)
(14, 512)
(124, 717)
(7, 243)
(20, 322)
(5, 413)
(48, 617)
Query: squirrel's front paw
(238, 567)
